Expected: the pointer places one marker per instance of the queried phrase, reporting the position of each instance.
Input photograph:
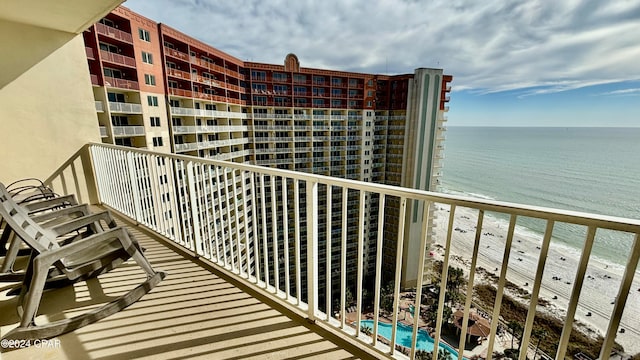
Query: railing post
(133, 185)
(191, 182)
(312, 248)
(87, 157)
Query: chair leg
(12, 253)
(60, 327)
(32, 293)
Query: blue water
(404, 334)
(594, 170)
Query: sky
(514, 63)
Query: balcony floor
(195, 312)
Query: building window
(258, 75)
(152, 100)
(259, 87)
(149, 79)
(368, 103)
(144, 35)
(147, 57)
(369, 93)
(155, 121)
(279, 76)
(370, 83)
(157, 141)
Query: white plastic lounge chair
(79, 259)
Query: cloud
(623, 92)
(539, 46)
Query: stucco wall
(46, 103)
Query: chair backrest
(19, 221)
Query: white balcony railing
(207, 113)
(237, 200)
(121, 107)
(128, 130)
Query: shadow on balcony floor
(193, 313)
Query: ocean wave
(464, 193)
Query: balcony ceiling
(72, 16)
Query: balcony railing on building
(122, 107)
(117, 58)
(128, 130)
(241, 217)
(114, 33)
(121, 83)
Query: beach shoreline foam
(599, 289)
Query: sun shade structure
(477, 325)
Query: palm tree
(455, 278)
(515, 328)
(423, 355)
(365, 329)
(444, 355)
(386, 297)
(539, 333)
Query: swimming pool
(403, 336)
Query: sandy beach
(599, 289)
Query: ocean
(595, 170)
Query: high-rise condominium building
(158, 88)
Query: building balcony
(114, 33)
(91, 55)
(99, 106)
(179, 111)
(94, 79)
(117, 59)
(121, 83)
(225, 296)
(128, 130)
(103, 132)
(127, 108)
(176, 54)
(178, 74)
(186, 147)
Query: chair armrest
(48, 204)
(84, 221)
(82, 244)
(53, 214)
